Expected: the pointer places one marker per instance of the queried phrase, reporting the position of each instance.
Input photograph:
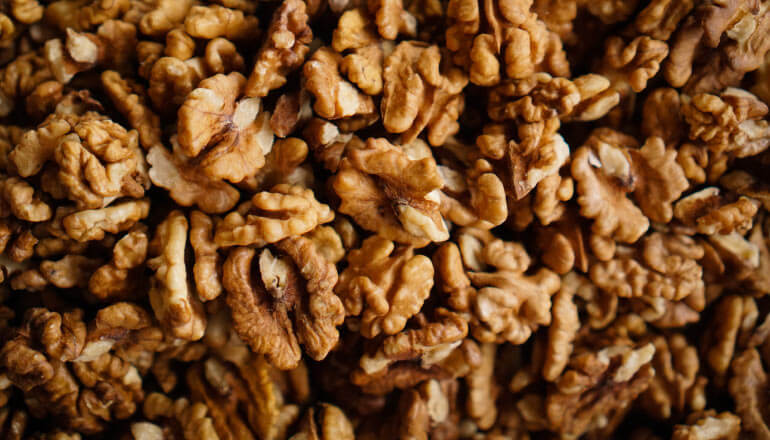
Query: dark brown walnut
(393, 190)
(284, 299)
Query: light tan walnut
(214, 21)
(100, 161)
(82, 16)
(513, 41)
(186, 184)
(708, 212)
(748, 387)
(393, 190)
(335, 98)
(283, 300)
(20, 77)
(629, 66)
(207, 269)
(327, 422)
(285, 47)
(228, 137)
(176, 306)
(92, 224)
(170, 81)
(418, 93)
(732, 121)
(474, 196)
(667, 267)
(563, 330)
(23, 201)
(271, 216)
(385, 285)
(131, 100)
(284, 164)
(604, 175)
(660, 18)
(708, 425)
(122, 275)
(661, 116)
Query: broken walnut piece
(176, 306)
(418, 93)
(284, 301)
(335, 98)
(660, 180)
(393, 190)
(385, 284)
(228, 137)
(214, 21)
(120, 277)
(93, 224)
(708, 212)
(708, 425)
(284, 49)
(324, 422)
(270, 216)
(474, 196)
(748, 387)
(132, 101)
(207, 269)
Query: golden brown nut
(271, 216)
(131, 100)
(284, 48)
(120, 277)
(175, 305)
(210, 22)
(288, 300)
(393, 190)
(384, 284)
(419, 94)
(335, 98)
(708, 425)
(228, 137)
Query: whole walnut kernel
(227, 136)
(393, 191)
(285, 301)
(384, 284)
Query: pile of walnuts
(371, 219)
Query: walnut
(27, 11)
(473, 198)
(604, 174)
(393, 191)
(335, 98)
(186, 184)
(667, 268)
(660, 18)
(228, 138)
(99, 162)
(661, 116)
(157, 17)
(432, 348)
(291, 302)
(271, 216)
(176, 307)
(384, 284)
(20, 77)
(329, 423)
(563, 329)
(120, 277)
(284, 164)
(291, 111)
(193, 418)
(748, 388)
(660, 180)
(131, 101)
(677, 384)
(83, 15)
(709, 213)
(708, 425)
(418, 93)
(210, 22)
(208, 263)
(23, 201)
(597, 384)
(170, 82)
(92, 224)
(284, 48)
(729, 122)
(736, 315)
(631, 65)
(541, 96)
(482, 389)
(514, 42)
